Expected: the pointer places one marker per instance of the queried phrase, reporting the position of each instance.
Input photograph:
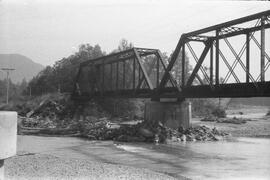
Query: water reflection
(243, 158)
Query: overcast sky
(47, 31)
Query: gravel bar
(42, 166)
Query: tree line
(15, 90)
(61, 76)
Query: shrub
(268, 113)
(219, 112)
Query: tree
(177, 68)
(62, 74)
(124, 45)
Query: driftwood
(48, 131)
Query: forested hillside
(25, 68)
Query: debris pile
(37, 122)
(60, 112)
(233, 120)
(199, 133)
(151, 132)
(49, 114)
(59, 116)
(94, 128)
(210, 118)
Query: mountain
(24, 67)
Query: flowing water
(240, 158)
(243, 158)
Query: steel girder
(140, 78)
(135, 71)
(211, 37)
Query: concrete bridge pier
(8, 137)
(171, 114)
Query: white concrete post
(189, 110)
(8, 137)
(1, 169)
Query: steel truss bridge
(142, 72)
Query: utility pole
(7, 71)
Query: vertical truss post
(117, 72)
(141, 67)
(217, 57)
(262, 48)
(199, 63)
(247, 56)
(166, 75)
(211, 65)
(134, 66)
(183, 66)
(76, 85)
(103, 78)
(164, 67)
(139, 75)
(124, 74)
(157, 72)
(111, 76)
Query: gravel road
(42, 166)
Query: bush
(219, 112)
(118, 107)
(202, 107)
(268, 113)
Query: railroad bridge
(229, 60)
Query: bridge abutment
(171, 114)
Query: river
(243, 158)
